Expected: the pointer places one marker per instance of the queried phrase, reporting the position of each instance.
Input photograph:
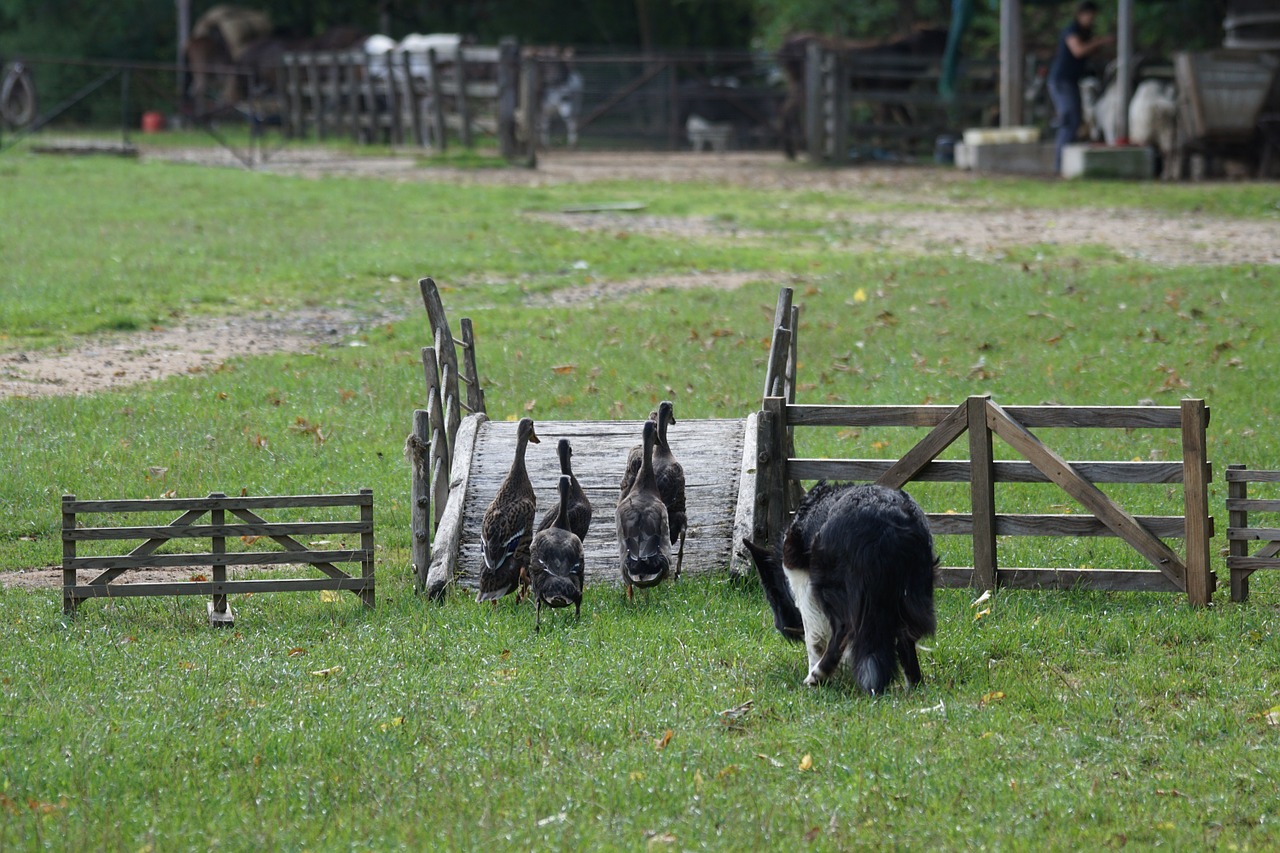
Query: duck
(556, 559)
(644, 546)
(579, 507)
(669, 474)
(507, 528)
(633, 463)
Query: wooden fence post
(418, 450)
(220, 615)
(1238, 518)
(1195, 485)
(508, 81)
(530, 108)
(441, 451)
(982, 493)
(440, 129)
(839, 101)
(814, 108)
(773, 457)
(68, 557)
(446, 354)
(413, 100)
(366, 545)
(464, 106)
(475, 394)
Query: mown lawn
(1058, 720)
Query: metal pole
(1010, 63)
(1124, 69)
(184, 32)
(124, 106)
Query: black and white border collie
(855, 582)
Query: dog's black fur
(860, 559)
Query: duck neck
(517, 464)
(646, 462)
(562, 513)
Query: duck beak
(533, 437)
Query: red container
(152, 122)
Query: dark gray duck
(555, 559)
(669, 474)
(644, 537)
(633, 463)
(579, 509)
(507, 528)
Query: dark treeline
(145, 29)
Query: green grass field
(1056, 720)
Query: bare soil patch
(118, 360)
(607, 290)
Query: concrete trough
(1120, 162)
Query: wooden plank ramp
(709, 450)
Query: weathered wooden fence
(1240, 533)
(385, 98)
(438, 451)
(779, 472)
(250, 527)
(880, 101)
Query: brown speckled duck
(556, 560)
(644, 537)
(579, 507)
(507, 528)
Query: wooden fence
(1239, 532)
(891, 102)
(779, 472)
(250, 526)
(439, 454)
(467, 92)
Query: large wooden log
(744, 516)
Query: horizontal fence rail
(249, 528)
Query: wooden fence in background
(779, 473)
(386, 99)
(248, 525)
(879, 101)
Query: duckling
(555, 558)
(644, 546)
(669, 474)
(579, 508)
(508, 525)
(633, 463)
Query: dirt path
(117, 360)
(1166, 239)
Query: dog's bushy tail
(891, 594)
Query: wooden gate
(249, 527)
(1240, 533)
(982, 419)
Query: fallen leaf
(563, 369)
(661, 743)
(813, 833)
(806, 763)
(982, 599)
(635, 776)
(697, 780)
(329, 595)
(775, 762)
(296, 652)
(981, 613)
(155, 471)
(392, 723)
(558, 817)
(860, 295)
(991, 698)
(660, 838)
(1273, 716)
(325, 673)
(198, 578)
(726, 772)
(1171, 792)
